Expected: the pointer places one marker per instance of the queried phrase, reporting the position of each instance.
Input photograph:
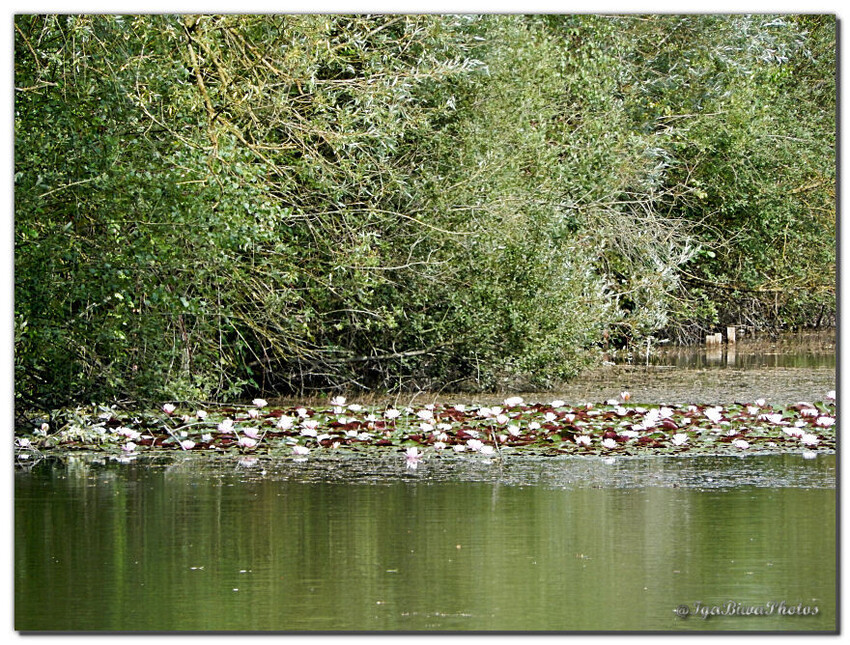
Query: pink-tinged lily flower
(169, 408)
(740, 443)
(300, 450)
(259, 403)
(809, 439)
(226, 426)
(502, 419)
(475, 444)
(128, 447)
(679, 439)
(246, 442)
(412, 457)
(760, 402)
(825, 422)
(252, 433)
(187, 444)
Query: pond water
(532, 544)
(181, 542)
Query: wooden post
(730, 335)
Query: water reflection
(178, 547)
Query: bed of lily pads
(434, 431)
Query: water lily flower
(513, 401)
(364, 436)
(260, 403)
(625, 395)
(310, 424)
(338, 401)
(752, 410)
(460, 407)
(425, 415)
(514, 430)
(775, 419)
(201, 414)
(169, 408)
(128, 447)
(444, 426)
(45, 427)
(809, 454)
(534, 426)
(679, 439)
(23, 442)
(760, 402)
(309, 432)
(300, 450)
(439, 445)
(473, 433)
(459, 447)
(713, 415)
(740, 443)
(206, 437)
(582, 440)
(426, 427)
(808, 439)
(285, 422)
(557, 403)
(485, 412)
(793, 432)
(609, 443)
(371, 418)
(226, 426)
(355, 407)
(412, 457)
(502, 419)
(550, 416)
(302, 412)
(246, 442)
(392, 413)
(475, 444)
(665, 412)
(830, 396)
(253, 433)
(825, 422)
(187, 444)
(486, 450)
(253, 413)
(808, 412)
(629, 434)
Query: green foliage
(208, 206)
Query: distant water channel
(185, 543)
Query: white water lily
(808, 439)
(809, 412)
(253, 413)
(713, 415)
(412, 457)
(740, 443)
(513, 401)
(533, 426)
(679, 439)
(285, 422)
(793, 432)
(300, 450)
(609, 443)
(475, 444)
(206, 437)
(128, 447)
(557, 403)
(302, 412)
(309, 432)
(809, 454)
(752, 410)
(246, 442)
(825, 421)
(259, 403)
(338, 401)
(226, 426)
(392, 413)
(775, 419)
(426, 427)
(760, 402)
(355, 407)
(583, 440)
(439, 445)
(502, 419)
(187, 444)
(625, 395)
(513, 430)
(830, 396)
(459, 447)
(425, 415)
(201, 414)
(486, 450)
(169, 408)
(310, 424)
(253, 433)
(550, 416)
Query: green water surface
(535, 546)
